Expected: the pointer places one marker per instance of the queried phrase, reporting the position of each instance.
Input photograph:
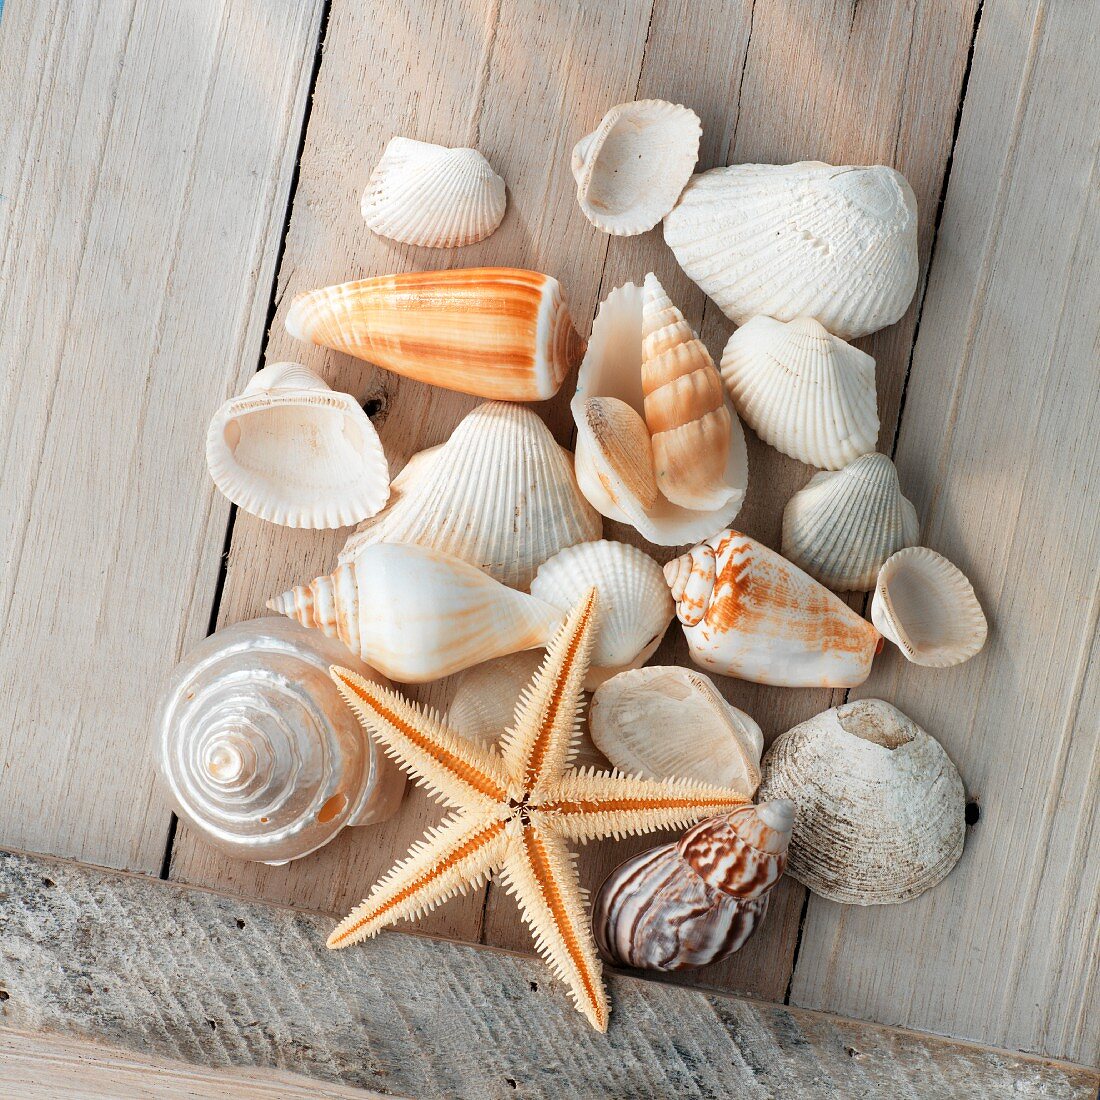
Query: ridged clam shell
(635, 605)
(880, 805)
(928, 609)
(800, 240)
(802, 390)
(499, 494)
(294, 452)
(843, 525)
(433, 196)
(631, 169)
(667, 721)
(495, 332)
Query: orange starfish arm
(539, 871)
(592, 804)
(456, 857)
(454, 769)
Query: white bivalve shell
(499, 494)
(802, 390)
(433, 196)
(295, 452)
(843, 525)
(631, 169)
(880, 805)
(635, 605)
(800, 240)
(664, 722)
(928, 609)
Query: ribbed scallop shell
(631, 169)
(880, 805)
(804, 391)
(800, 240)
(928, 609)
(294, 452)
(843, 525)
(433, 196)
(635, 605)
(499, 494)
(667, 721)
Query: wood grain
(145, 159)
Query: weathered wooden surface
(186, 974)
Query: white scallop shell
(499, 494)
(635, 605)
(631, 169)
(803, 390)
(433, 196)
(800, 240)
(880, 805)
(928, 609)
(844, 524)
(294, 452)
(667, 721)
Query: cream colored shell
(804, 391)
(800, 240)
(433, 196)
(880, 805)
(294, 452)
(631, 169)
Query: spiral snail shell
(257, 750)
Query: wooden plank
(999, 451)
(145, 160)
(187, 974)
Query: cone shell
(800, 240)
(417, 614)
(804, 391)
(612, 456)
(880, 805)
(631, 169)
(688, 904)
(433, 196)
(635, 606)
(499, 494)
(663, 722)
(767, 621)
(294, 452)
(928, 609)
(842, 526)
(500, 333)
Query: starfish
(515, 809)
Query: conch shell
(800, 240)
(748, 612)
(417, 614)
(880, 805)
(433, 196)
(295, 452)
(495, 332)
(694, 902)
(499, 494)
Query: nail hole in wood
(373, 406)
(972, 813)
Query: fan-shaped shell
(800, 240)
(842, 526)
(804, 391)
(257, 750)
(928, 609)
(499, 494)
(667, 721)
(635, 606)
(433, 196)
(880, 805)
(294, 452)
(496, 332)
(631, 169)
